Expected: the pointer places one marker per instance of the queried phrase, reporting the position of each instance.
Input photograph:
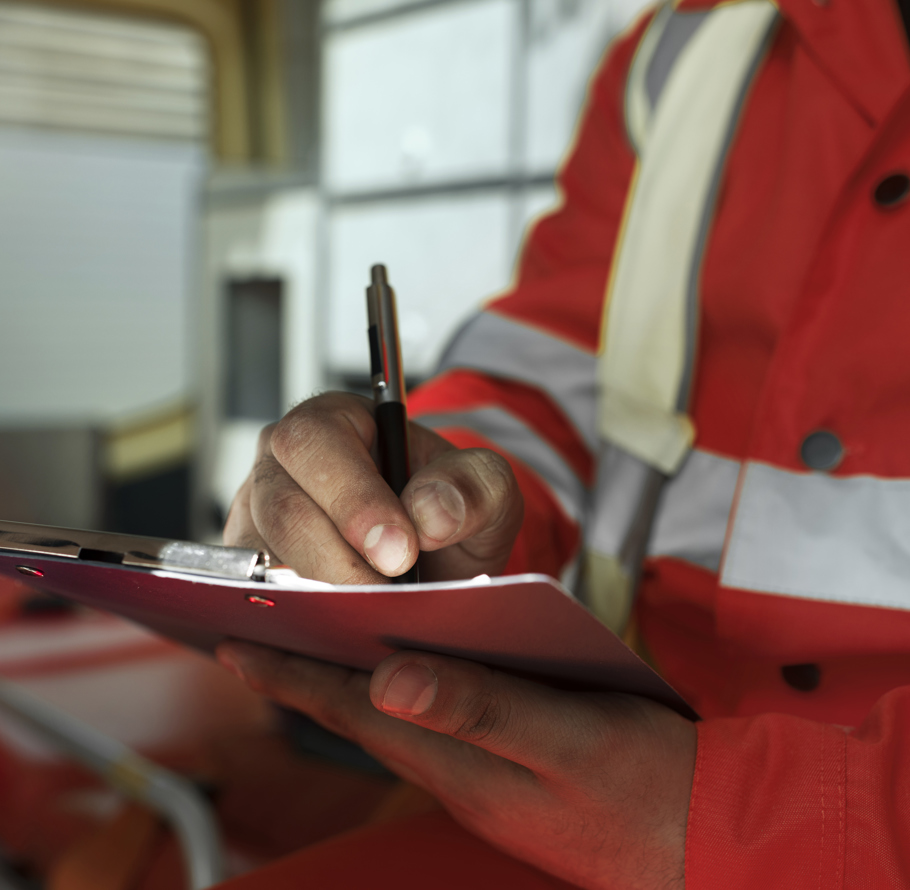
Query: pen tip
(378, 274)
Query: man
(735, 413)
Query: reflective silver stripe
(521, 441)
(621, 479)
(504, 348)
(694, 510)
(838, 539)
(692, 513)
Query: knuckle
(265, 436)
(484, 718)
(238, 519)
(491, 816)
(326, 563)
(285, 520)
(493, 473)
(494, 487)
(267, 470)
(241, 534)
(345, 503)
(338, 713)
(307, 425)
(289, 435)
(296, 531)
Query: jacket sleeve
(779, 801)
(520, 376)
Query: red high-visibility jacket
(776, 596)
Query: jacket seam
(821, 841)
(842, 812)
(696, 776)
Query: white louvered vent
(90, 72)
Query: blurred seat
(60, 824)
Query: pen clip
(386, 375)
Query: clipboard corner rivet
(28, 570)
(257, 600)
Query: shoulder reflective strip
(513, 436)
(638, 103)
(657, 53)
(651, 310)
(837, 539)
(680, 27)
(501, 347)
(692, 514)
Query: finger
(466, 505)
(339, 699)
(324, 446)
(239, 528)
(298, 531)
(270, 512)
(529, 724)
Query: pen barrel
(392, 443)
(394, 459)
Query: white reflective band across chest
(692, 514)
(809, 535)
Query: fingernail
(386, 547)
(412, 690)
(228, 660)
(438, 510)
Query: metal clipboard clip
(132, 551)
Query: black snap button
(892, 190)
(821, 450)
(802, 677)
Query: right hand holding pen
(316, 502)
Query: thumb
(467, 509)
(507, 716)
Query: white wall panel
(444, 255)
(335, 11)
(538, 201)
(420, 98)
(273, 237)
(566, 41)
(625, 12)
(96, 235)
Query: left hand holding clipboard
(591, 787)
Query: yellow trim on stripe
(617, 252)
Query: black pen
(387, 378)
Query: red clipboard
(200, 595)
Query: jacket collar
(860, 44)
